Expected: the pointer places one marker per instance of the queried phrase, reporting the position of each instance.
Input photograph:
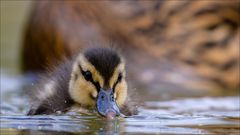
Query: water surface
(202, 115)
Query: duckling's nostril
(102, 96)
(112, 98)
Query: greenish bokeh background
(13, 17)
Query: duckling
(94, 80)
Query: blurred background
(176, 51)
(13, 17)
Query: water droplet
(20, 127)
(39, 127)
(58, 112)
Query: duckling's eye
(119, 77)
(87, 75)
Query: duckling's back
(50, 93)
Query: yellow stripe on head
(81, 90)
(121, 86)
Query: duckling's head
(98, 80)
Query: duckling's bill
(106, 105)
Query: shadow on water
(202, 115)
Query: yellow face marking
(80, 89)
(118, 69)
(121, 92)
(121, 87)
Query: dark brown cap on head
(104, 60)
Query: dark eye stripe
(119, 77)
(88, 76)
(118, 81)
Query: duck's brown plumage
(180, 45)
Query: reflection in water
(71, 124)
(204, 115)
(166, 123)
